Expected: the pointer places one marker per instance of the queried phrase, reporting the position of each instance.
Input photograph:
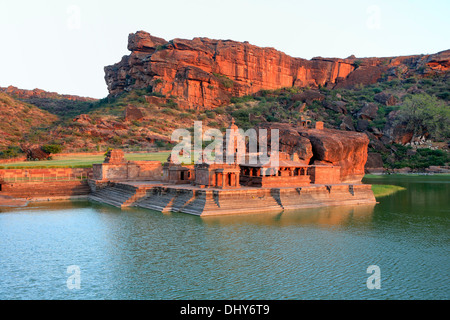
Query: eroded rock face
(341, 148)
(204, 73)
(327, 146)
(290, 140)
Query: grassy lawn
(381, 190)
(82, 161)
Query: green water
(310, 254)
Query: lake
(85, 250)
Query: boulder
(290, 141)
(347, 123)
(133, 113)
(385, 98)
(143, 42)
(308, 96)
(374, 160)
(346, 149)
(337, 106)
(362, 125)
(368, 111)
(326, 146)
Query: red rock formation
(290, 141)
(133, 113)
(327, 146)
(204, 73)
(340, 148)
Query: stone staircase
(159, 199)
(118, 195)
(245, 203)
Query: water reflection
(317, 253)
(323, 216)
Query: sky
(62, 46)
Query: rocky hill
(20, 120)
(203, 73)
(402, 104)
(41, 94)
(62, 105)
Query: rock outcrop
(327, 146)
(203, 73)
(340, 148)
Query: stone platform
(210, 201)
(8, 201)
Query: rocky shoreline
(430, 170)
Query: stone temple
(224, 187)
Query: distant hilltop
(39, 93)
(203, 73)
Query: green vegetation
(420, 105)
(64, 108)
(357, 63)
(382, 190)
(405, 156)
(11, 152)
(52, 148)
(424, 114)
(224, 80)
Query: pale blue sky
(63, 45)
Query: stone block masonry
(131, 170)
(208, 202)
(44, 174)
(47, 183)
(46, 190)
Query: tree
(425, 114)
(52, 148)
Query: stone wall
(20, 159)
(274, 181)
(45, 173)
(131, 170)
(325, 174)
(45, 190)
(206, 202)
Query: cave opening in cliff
(313, 158)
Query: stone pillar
(219, 180)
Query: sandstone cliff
(203, 73)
